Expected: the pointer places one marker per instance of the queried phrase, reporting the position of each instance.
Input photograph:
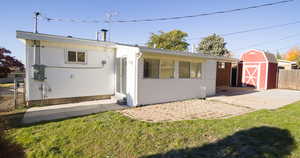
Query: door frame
(121, 75)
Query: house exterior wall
(65, 80)
(131, 54)
(223, 75)
(151, 91)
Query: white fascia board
(55, 38)
(186, 54)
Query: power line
(253, 30)
(164, 18)
(48, 19)
(202, 14)
(268, 42)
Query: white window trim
(76, 50)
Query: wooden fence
(289, 79)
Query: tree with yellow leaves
(293, 54)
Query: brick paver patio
(185, 110)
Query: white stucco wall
(131, 54)
(152, 91)
(70, 80)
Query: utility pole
(35, 17)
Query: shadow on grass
(259, 142)
(8, 148)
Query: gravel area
(185, 110)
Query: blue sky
(17, 15)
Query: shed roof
(268, 57)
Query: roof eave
(54, 38)
(186, 54)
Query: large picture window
(196, 70)
(151, 68)
(76, 57)
(166, 69)
(184, 69)
(155, 68)
(189, 70)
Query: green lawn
(267, 134)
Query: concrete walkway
(56, 112)
(268, 99)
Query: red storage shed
(258, 69)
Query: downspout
(37, 61)
(36, 52)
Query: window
(166, 69)
(76, 57)
(81, 57)
(151, 68)
(221, 65)
(184, 69)
(71, 56)
(196, 70)
(189, 70)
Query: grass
(269, 134)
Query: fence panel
(10, 98)
(289, 79)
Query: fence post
(15, 93)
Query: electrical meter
(39, 72)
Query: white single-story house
(63, 69)
(287, 65)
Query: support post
(15, 93)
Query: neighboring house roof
(69, 39)
(286, 61)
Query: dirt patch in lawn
(185, 110)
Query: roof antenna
(109, 15)
(35, 17)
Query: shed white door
(251, 75)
